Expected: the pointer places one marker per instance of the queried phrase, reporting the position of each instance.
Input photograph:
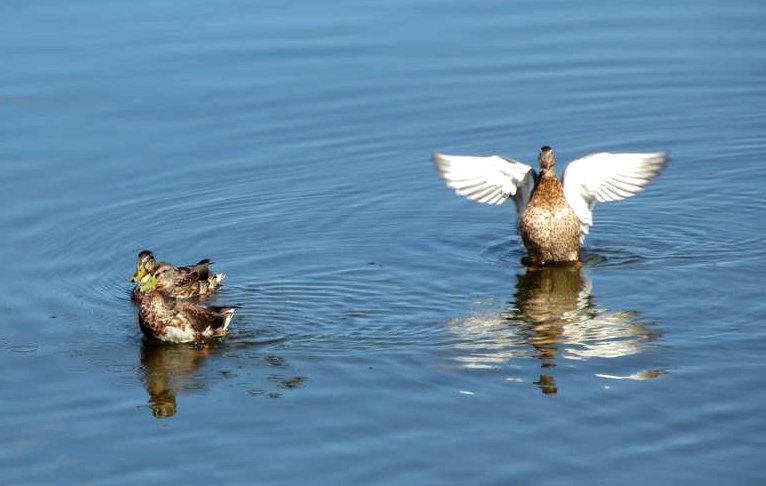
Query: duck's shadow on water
(553, 315)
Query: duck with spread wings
(554, 217)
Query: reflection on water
(553, 315)
(166, 370)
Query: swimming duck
(185, 282)
(145, 263)
(177, 321)
(553, 218)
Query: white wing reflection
(553, 316)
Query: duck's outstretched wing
(490, 180)
(607, 177)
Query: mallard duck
(166, 319)
(145, 263)
(194, 281)
(553, 218)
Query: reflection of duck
(554, 313)
(166, 369)
(543, 297)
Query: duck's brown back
(549, 227)
(159, 318)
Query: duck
(553, 216)
(193, 281)
(164, 318)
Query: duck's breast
(549, 226)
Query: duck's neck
(548, 173)
(548, 183)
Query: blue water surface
(387, 332)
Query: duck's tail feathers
(204, 261)
(228, 313)
(217, 278)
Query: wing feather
(603, 177)
(490, 180)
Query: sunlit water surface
(388, 333)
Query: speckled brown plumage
(549, 227)
(194, 281)
(167, 319)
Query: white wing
(489, 180)
(607, 177)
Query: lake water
(388, 332)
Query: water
(388, 332)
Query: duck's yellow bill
(140, 272)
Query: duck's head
(546, 158)
(161, 279)
(163, 275)
(144, 264)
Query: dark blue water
(388, 332)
